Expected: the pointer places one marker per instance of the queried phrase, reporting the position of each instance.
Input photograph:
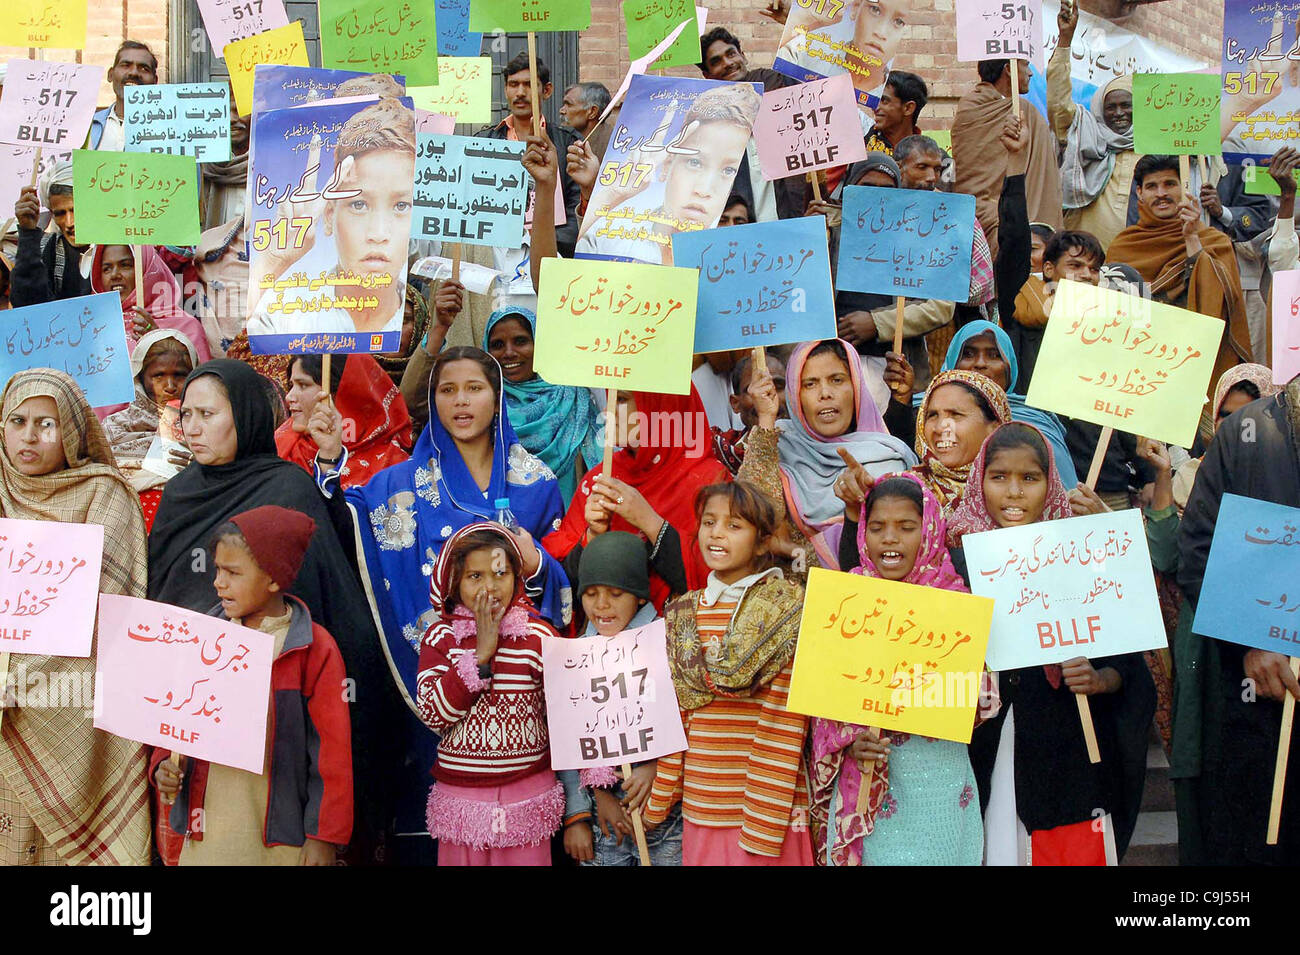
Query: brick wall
(1191, 27)
(107, 25)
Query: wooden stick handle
(637, 825)
(1185, 173)
(899, 303)
(611, 411)
(325, 373)
(532, 82)
(1283, 751)
(1015, 85)
(36, 172)
(1089, 731)
(816, 186)
(137, 253)
(455, 261)
(4, 682)
(1099, 456)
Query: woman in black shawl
(229, 424)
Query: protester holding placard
(1040, 793)
(1284, 247)
(742, 782)
(46, 266)
(57, 466)
(148, 428)
(302, 803)
(157, 305)
(729, 446)
(133, 65)
(921, 806)
(958, 412)
(614, 588)
(495, 799)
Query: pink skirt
(496, 825)
(705, 845)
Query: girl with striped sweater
(742, 782)
(495, 800)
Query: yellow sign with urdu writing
(284, 46)
(45, 24)
(464, 89)
(1127, 362)
(890, 655)
(618, 325)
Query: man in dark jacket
(47, 264)
(518, 125)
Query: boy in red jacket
(300, 811)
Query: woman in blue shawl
(966, 353)
(555, 422)
(467, 458)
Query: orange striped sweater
(743, 766)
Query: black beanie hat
(616, 559)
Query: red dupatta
(367, 397)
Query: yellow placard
(1124, 361)
(283, 46)
(890, 655)
(45, 24)
(464, 89)
(622, 325)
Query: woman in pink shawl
(113, 270)
(920, 805)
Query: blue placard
(181, 119)
(454, 35)
(1251, 593)
(767, 283)
(470, 190)
(85, 337)
(906, 242)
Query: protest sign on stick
(45, 24)
(48, 104)
(830, 37)
(766, 283)
(83, 337)
(888, 654)
(529, 16)
(616, 325)
(1286, 326)
(284, 45)
(49, 582)
(196, 685)
(381, 36)
(649, 21)
(1176, 114)
(1080, 587)
(455, 38)
(1260, 73)
(811, 126)
(997, 30)
(229, 20)
(470, 190)
(1126, 362)
(1249, 596)
(464, 89)
(135, 198)
(180, 119)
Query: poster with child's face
(331, 186)
(825, 38)
(669, 167)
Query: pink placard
(194, 684)
(49, 576)
(610, 700)
(436, 123)
(1000, 30)
(48, 104)
(809, 126)
(1286, 325)
(230, 20)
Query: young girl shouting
(1043, 800)
(495, 800)
(742, 782)
(922, 807)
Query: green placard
(135, 198)
(1257, 181)
(649, 21)
(529, 16)
(380, 36)
(1177, 113)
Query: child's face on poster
(697, 184)
(370, 230)
(878, 33)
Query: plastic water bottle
(506, 517)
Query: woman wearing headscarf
(958, 411)
(558, 423)
(113, 270)
(160, 363)
(228, 422)
(664, 458)
(1097, 167)
(797, 461)
(366, 398)
(69, 793)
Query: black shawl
(201, 498)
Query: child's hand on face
(487, 619)
(869, 747)
(315, 852)
(636, 789)
(168, 776)
(579, 843)
(611, 817)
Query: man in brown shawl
(1186, 263)
(981, 160)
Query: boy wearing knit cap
(614, 586)
(299, 812)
